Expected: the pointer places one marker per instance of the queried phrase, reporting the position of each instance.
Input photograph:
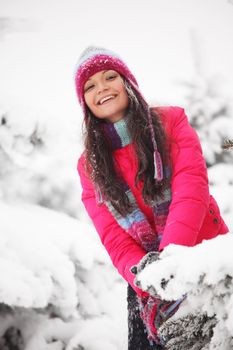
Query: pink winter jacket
(193, 214)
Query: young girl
(144, 181)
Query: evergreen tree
(209, 111)
(33, 165)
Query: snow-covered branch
(205, 273)
(57, 285)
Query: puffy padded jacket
(193, 214)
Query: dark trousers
(137, 335)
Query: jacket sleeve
(189, 186)
(121, 247)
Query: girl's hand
(146, 260)
(155, 312)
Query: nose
(102, 86)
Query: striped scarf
(153, 310)
(136, 223)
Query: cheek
(125, 98)
(121, 88)
(88, 101)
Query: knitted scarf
(136, 223)
(153, 310)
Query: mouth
(106, 99)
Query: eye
(88, 87)
(111, 77)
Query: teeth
(105, 99)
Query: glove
(191, 332)
(145, 261)
(153, 311)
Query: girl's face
(105, 95)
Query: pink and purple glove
(153, 310)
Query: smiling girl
(144, 181)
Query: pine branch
(227, 144)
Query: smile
(105, 99)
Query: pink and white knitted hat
(95, 59)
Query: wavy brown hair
(100, 162)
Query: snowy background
(58, 289)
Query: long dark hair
(100, 162)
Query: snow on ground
(58, 282)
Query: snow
(205, 274)
(58, 286)
(52, 264)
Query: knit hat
(96, 59)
